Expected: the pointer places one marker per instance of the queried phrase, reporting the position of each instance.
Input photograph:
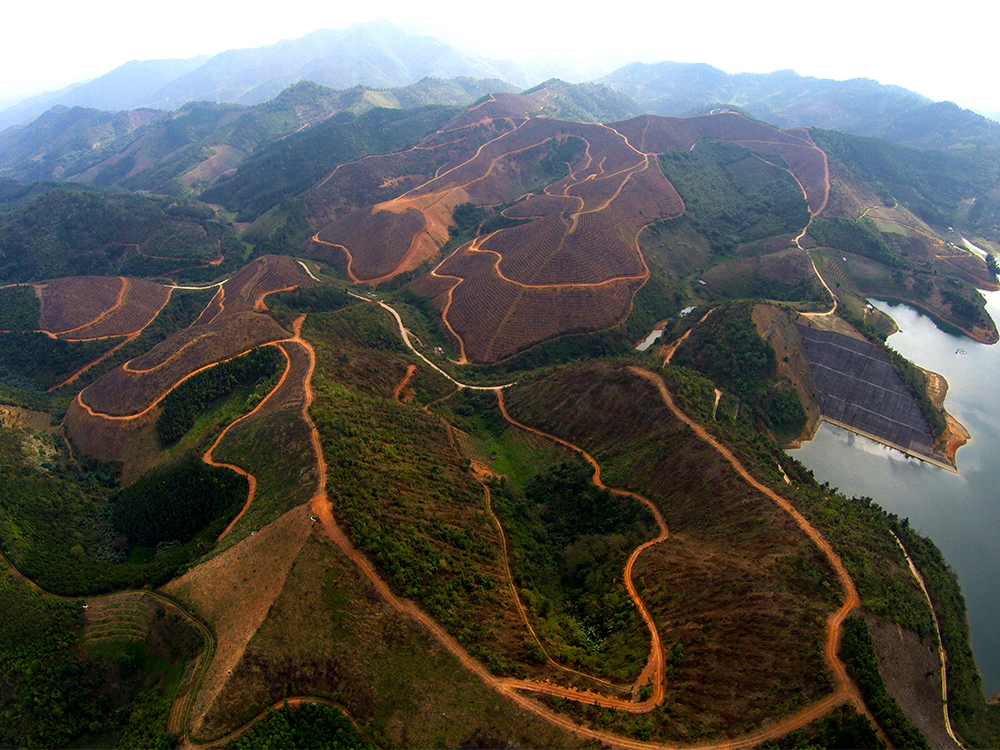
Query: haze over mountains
(313, 358)
(376, 54)
(382, 55)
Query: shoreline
(955, 434)
(979, 335)
(953, 438)
(940, 461)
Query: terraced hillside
(575, 197)
(104, 417)
(444, 494)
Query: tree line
(183, 404)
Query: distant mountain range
(380, 55)
(859, 106)
(376, 54)
(176, 126)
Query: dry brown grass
(222, 160)
(140, 304)
(129, 441)
(377, 242)
(848, 197)
(67, 304)
(233, 592)
(330, 634)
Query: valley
(354, 427)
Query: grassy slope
(396, 482)
(330, 635)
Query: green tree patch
(175, 504)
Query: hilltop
(859, 106)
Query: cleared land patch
(70, 303)
(858, 388)
(138, 305)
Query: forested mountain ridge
(188, 149)
(859, 106)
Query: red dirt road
(844, 692)
(251, 479)
(846, 689)
(398, 390)
(654, 672)
(515, 689)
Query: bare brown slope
(115, 410)
(234, 591)
(237, 327)
(69, 304)
(721, 531)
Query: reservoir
(961, 513)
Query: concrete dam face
(856, 387)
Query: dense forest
(57, 689)
(64, 525)
(182, 405)
(570, 541)
(73, 233)
(175, 504)
(19, 308)
(302, 728)
(732, 197)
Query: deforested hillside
(561, 254)
(190, 148)
(457, 423)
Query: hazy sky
(950, 53)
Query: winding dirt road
(654, 671)
(669, 350)
(846, 689)
(128, 336)
(942, 656)
(398, 390)
(251, 479)
(405, 333)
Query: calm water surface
(960, 513)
